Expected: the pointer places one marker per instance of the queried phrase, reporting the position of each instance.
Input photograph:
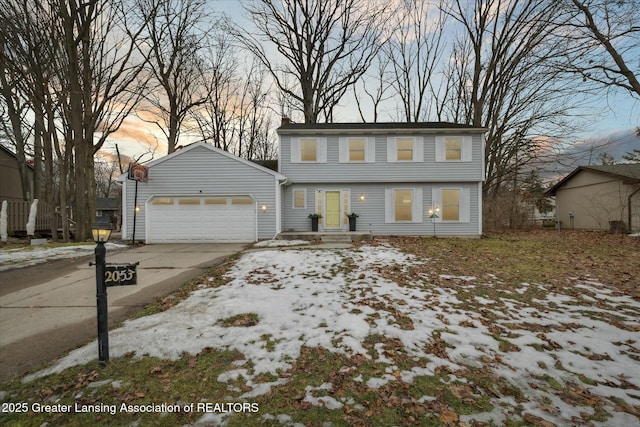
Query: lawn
(534, 328)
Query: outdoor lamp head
(101, 232)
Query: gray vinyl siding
(202, 172)
(371, 210)
(382, 170)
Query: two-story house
(399, 178)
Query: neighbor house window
(356, 149)
(299, 199)
(309, 149)
(453, 149)
(404, 147)
(450, 205)
(403, 202)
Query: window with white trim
(403, 205)
(405, 149)
(450, 205)
(300, 199)
(356, 149)
(308, 150)
(453, 148)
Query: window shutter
(465, 205)
(418, 149)
(370, 150)
(295, 150)
(392, 152)
(389, 206)
(418, 203)
(322, 150)
(343, 146)
(467, 149)
(440, 150)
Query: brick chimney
(285, 121)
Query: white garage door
(201, 219)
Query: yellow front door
(332, 210)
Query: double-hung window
(357, 149)
(454, 203)
(405, 149)
(403, 205)
(300, 199)
(453, 148)
(308, 150)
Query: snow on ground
(585, 340)
(21, 257)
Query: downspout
(282, 183)
(629, 207)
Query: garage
(224, 219)
(201, 194)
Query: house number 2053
(120, 276)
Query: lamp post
(101, 233)
(433, 214)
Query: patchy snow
(586, 340)
(23, 257)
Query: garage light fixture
(264, 208)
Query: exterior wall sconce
(264, 208)
(137, 208)
(361, 196)
(433, 214)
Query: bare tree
(326, 46)
(603, 42)
(502, 71)
(177, 38)
(415, 50)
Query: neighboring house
(202, 194)
(108, 209)
(389, 174)
(10, 183)
(599, 198)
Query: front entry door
(332, 210)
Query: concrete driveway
(55, 310)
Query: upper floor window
(405, 149)
(311, 150)
(453, 148)
(357, 149)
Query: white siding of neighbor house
(200, 171)
(382, 170)
(371, 210)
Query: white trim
(417, 149)
(466, 148)
(479, 209)
(417, 205)
(293, 198)
(321, 150)
(195, 145)
(369, 149)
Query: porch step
(336, 238)
(333, 237)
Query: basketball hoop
(138, 172)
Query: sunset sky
(612, 115)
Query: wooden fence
(18, 216)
